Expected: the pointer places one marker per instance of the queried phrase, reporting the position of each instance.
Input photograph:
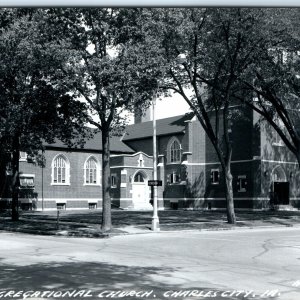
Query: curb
(65, 233)
(58, 234)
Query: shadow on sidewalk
(100, 278)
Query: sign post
(155, 219)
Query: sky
(167, 107)
(171, 106)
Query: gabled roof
(166, 126)
(95, 144)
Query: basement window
(61, 206)
(242, 183)
(215, 176)
(92, 205)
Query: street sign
(154, 183)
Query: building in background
(265, 173)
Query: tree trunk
(229, 194)
(298, 157)
(15, 180)
(106, 201)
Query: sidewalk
(87, 223)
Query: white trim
(278, 144)
(26, 175)
(140, 162)
(127, 199)
(98, 171)
(123, 172)
(122, 199)
(92, 201)
(280, 172)
(62, 201)
(132, 167)
(67, 173)
(23, 158)
(65, 209)
(169, 145)
(70, 199)
(217, 199)
(146, 177)
(131, 155)
(92, 184)
(241, 161)
(123, 185)
(279, 162)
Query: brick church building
(265, 173)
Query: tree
(273, 80)
(104, 68)
(33, 108)
(269, 83)
(211, 46)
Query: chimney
(141, 115)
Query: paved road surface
(235, 264)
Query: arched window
(91, 171)
(60, 170)
(138, 177)
(174, 151)
(278, 174)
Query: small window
(141, 161)
(61, 206)
(26, 182)
(92, 205)
(174, 178)
(113, 181)
(23, 156)
(242, 183)
(277, 139)
(138, 177)
(215, 176)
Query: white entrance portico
(140, 191)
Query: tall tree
(104, 68)
(202, 51)
(272, 81)
(33, 108)
(269, 82)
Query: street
(226, 264)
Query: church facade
(265, 173)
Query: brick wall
(75, 191)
